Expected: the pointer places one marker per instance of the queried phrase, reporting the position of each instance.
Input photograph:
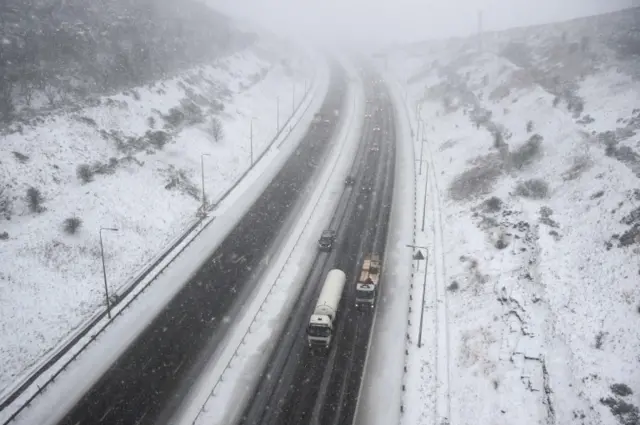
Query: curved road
(148, 376)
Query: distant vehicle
(375, 147)
(376, 128)
(367, 115)
(367, 285)
(327, 239)
(349, 181)
(320, 329)
(367, 186)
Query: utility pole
(204, 202)
(104, 270)
(424, 200)
(419, 256)
(251, 141)
(480, 31)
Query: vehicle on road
(367, 186)
(349, 181)
(375, 147)
(376, 128)
(321, 323)
(327, 238)
(367, 284)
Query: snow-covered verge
(132, 163)
(225, 387)
(62, 385)
(532, 304)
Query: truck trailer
(367, 285)
(321, 323)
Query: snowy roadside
(225, 387)
(531, 311)
(93, 361)
(148, 193)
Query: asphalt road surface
(166, 356)
(300, 386)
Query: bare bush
(158, 138)
(71, 225)
(34, 200)
(453, 287)
(622, 390)
(20, 156)
(4, 236)
(215, 127)
(84, 173)
(5, 204)
(529, 126)
(526, 153)
(474, 182)
(533, 189)
(493, 204)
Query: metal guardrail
(129, 289)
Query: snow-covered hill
(132, 161)
(534, 151)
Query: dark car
(367, 186)
(327, 239)
(349, 181)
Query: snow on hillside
(535, 162)
(132, 162)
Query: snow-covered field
(530, 167)
(133, 163)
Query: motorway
(155, 371)
(300, 386)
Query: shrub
(84, 173)
(20, 156)
(175, 117)
(5, 204)
(158, 138)
(529, 126)
(71, 225)
(492, 204)
(151, 122)
(622, 390)
(4, 236)
(533, 189)
(34, 200)
(525, 154)
(498, 140)
(216, 129)
(453, 287)
(556, 101)
(599, 340)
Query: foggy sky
(380, 22)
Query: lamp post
(104, 270)
(204, 202)
(251, 140)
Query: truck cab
(319, 331)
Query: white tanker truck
(323, 318)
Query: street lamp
(251, 140)
(104, 270)
(277, 114)
(204, 202)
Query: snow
(531, 306)
(45, 294)
(131, 319)
(226, 386)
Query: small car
(327, 239)
(374, 148)
(349, 181)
